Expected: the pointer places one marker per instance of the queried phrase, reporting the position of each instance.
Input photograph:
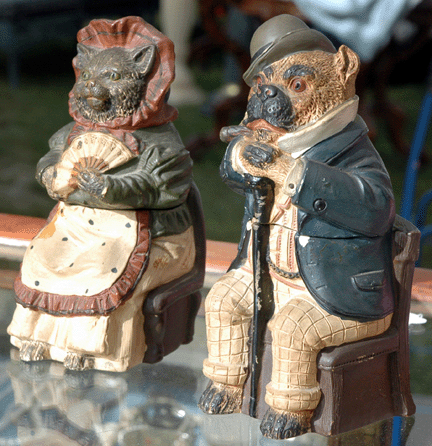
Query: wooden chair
(365, 381)
(170, 310)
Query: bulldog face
(300, 88)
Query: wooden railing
(17, 231)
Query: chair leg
(326, 419)
(154, 335)
(194, 305)
(403, 403)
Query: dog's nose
(269, 90)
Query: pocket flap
(370, 281)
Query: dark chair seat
(170, 310)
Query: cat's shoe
(78, 362)
(220, 398)
(33, 351)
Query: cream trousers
(300, 329)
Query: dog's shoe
(221, 399)
(280, 425)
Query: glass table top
(41, 403)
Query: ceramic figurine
(315, 259)
(122, 226)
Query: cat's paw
(92, 182)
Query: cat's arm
(159, 179)
(57, 144)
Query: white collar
(301, 140)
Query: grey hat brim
(297, 41)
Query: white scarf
(301, 140)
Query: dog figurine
(329, 246)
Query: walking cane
(262, 191)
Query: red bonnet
(131, 32)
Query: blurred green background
(30, 114)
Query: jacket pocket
(370, 281)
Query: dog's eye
(298, 85)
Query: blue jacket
(346, 210)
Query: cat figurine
(121, 227)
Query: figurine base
(73, 360)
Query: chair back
(406, 247)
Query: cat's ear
(85, 52)
(144, 58)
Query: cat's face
(112, 81)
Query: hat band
(260, 51)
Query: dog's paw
(260, 155)
(280, 425)
(221, 399)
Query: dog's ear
(348, 65)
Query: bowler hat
(278, 38)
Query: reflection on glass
(43, 404)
